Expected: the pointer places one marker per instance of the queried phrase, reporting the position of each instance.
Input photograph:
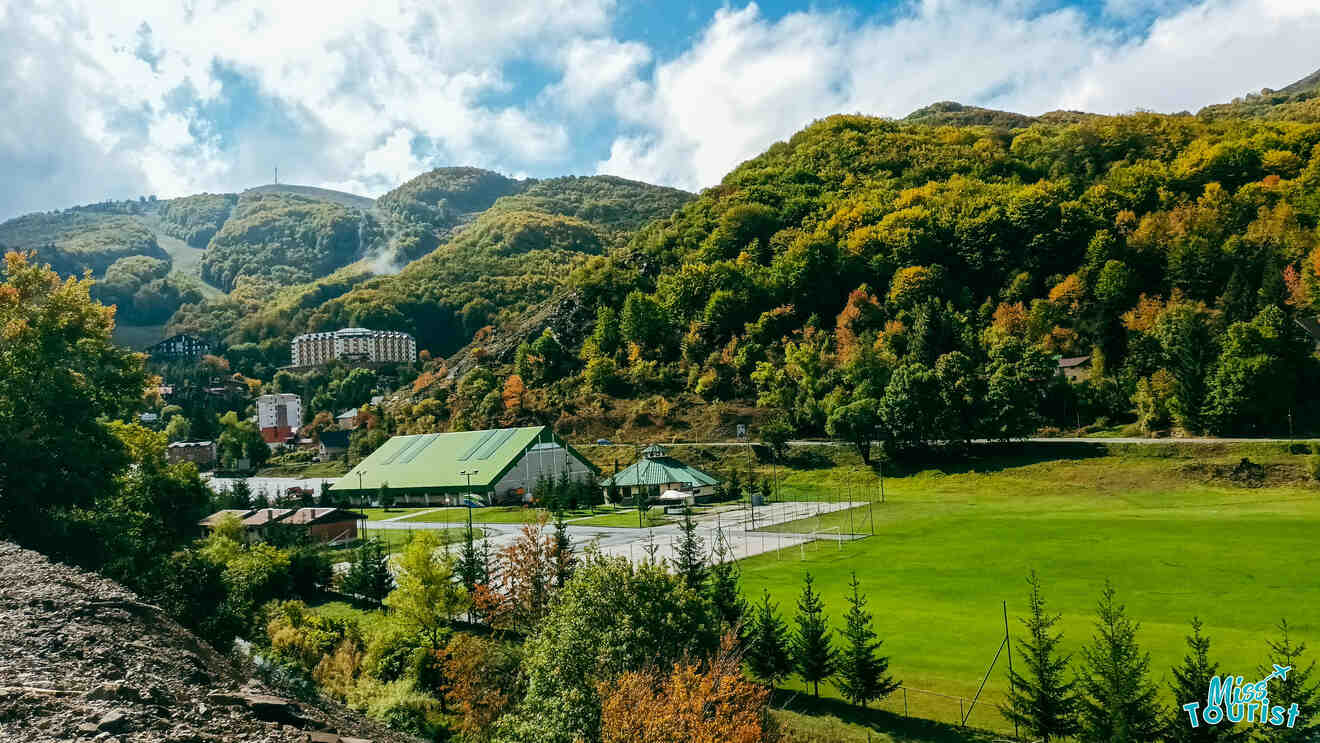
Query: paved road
(730, 524)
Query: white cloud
(111, 100)
(748, 82)
(338, 82)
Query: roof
(214, 518)
(661, 471)
(1072, 361)
(434, 462)
(334, 439)
(350, 413)
(1311, 324)
(321, 516)
(188, 444)
(263, 516)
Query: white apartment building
(352, 344)
(278, 416)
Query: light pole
(468, 474)
(360, 474)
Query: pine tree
(723, 589)
(369, 573)
(1191, 681)
(1119, 703)
(813, 653)
(563, 551)
(863, 671)
(1298, 688)
(1040, 701)
(690, 553)
(767, 643)
(471, 567)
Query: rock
(112, 690)
(114, 721)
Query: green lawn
(489, 515)
(327, 470)
(950, 547)
(396, 539)
(627, 518)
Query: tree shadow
(898, 727)
(984, 458)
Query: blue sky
(114, 100)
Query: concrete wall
(542, 460)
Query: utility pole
(468, 474)
(360, 473)
(1008, 642)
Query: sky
(112, 100)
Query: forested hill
(922, 278)
(490, 247)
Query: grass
(396, 539)
(627, 518)
(489, 515)
(951, 545)
(327, 470)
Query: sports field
(949, 548)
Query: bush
(398, 705)
(392, 652)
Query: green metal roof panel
(660, 471)
(434, 460)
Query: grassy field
(489, 515)
(951, 545)
(626, 518)
(328, 470)
(396, 539)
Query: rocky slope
(85, 660)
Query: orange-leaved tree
(708, 701)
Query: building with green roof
(656, 472)
(504, 465)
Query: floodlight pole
(360, 473)
(468, 474)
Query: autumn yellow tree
(708, 701)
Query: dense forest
(506, 260)
(917, 278)
(920, 280)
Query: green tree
(368, 573)
(1119, 703)
(178, 429)
(722, 588)
(690, 553)
(471, 567)
(862, 672)
(768, 655)
(60, 377)
(613, 617)
(426, 597)
(776, 435)
(561, 549)
(856, 423)
(1190, 682)
(1299, 688)
(1040, 700)
(813, 651)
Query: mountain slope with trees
(918, 280)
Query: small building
(181, 347)
(1075, 368)
(278, 416)
(148, 418)
(262, 519)
(348, 420)
(201, 453)
(331, 525)
(502, 465)
(333, 444)
(656, 472)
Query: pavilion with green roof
(657, 472)
(500, 465)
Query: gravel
(83, 659)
